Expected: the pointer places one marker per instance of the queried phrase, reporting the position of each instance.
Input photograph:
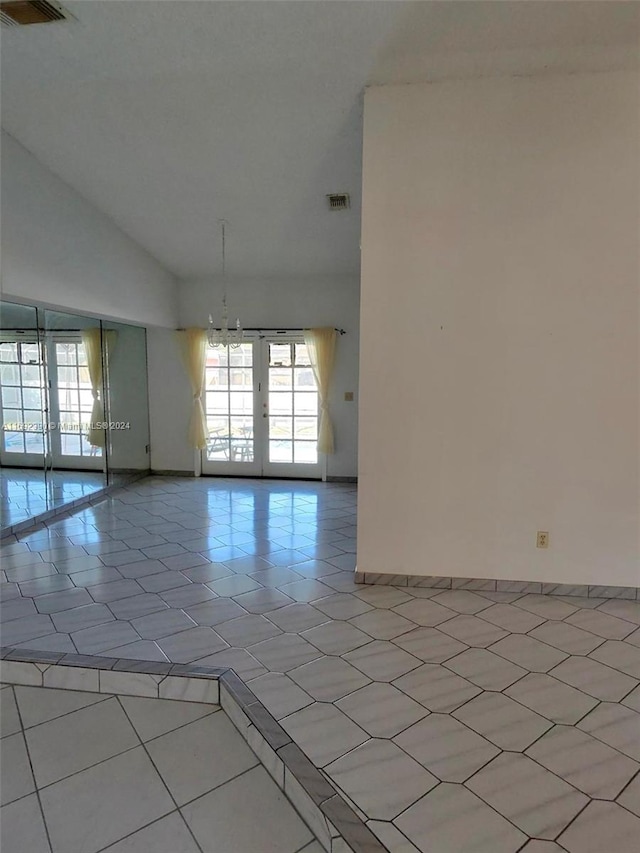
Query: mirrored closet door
(74, 408)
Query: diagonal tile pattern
(454, 720)
(110, 773)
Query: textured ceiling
(169, 115)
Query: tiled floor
(24, 492)
(456, 721)
(85, 772)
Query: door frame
(261, 467)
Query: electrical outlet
(348, 396)
(542, 540)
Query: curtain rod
(279, 329)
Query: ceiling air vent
(339, 201)
(19, 13)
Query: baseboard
(342, 479)
(494, 585)
(162, 472)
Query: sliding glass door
(261, 405)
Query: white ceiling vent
(20, 13)
(339, 201)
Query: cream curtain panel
(92, 340)
(321, 344)
(193, 347)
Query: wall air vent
(20, 13)
(339, 201)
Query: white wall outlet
(542, 540)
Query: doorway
(261, 406)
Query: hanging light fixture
(224, 336)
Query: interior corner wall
(499, 361)
(297, 303)
(60, 250)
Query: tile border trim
(337, 828)
(631, 593)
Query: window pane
(280, 451)
(86, 400)
(280, 355)
(33, 416)
(241, 450)
(12, 416)
(218, 426)
(217, 377)
(279, 378)
(83, 377)
(30, 353)
(242, 377)
(306, 404)
(11, 397)
(10, 374)
(34, 442)
(218, 441)
(217, 357)
(242, 356)
(8, 352)
(306, 428)
(67, 377)
(304, 378)
(280, 427)
(32, 398)
(13, 442)
(280, 403)
(305, 451)
(241, 402)
(31, 375)
(65, 354)
(89, 449)
(217, 402)
(70, 444)
(242, 427)
(302, 354)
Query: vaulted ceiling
(169, 115)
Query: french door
(70, 405)
(46, 419)
(261, 406)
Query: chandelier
(224, 336)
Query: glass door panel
(292, 404)
(230, 406)
(23, 402)
(71, 404)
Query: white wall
(58, 249)
(300, 303)
(127, 394)
(170, 403)
(499, 324)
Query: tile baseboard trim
(494, 585)
(342, 479)
(337, 828)
(35, 521)
(169, 472)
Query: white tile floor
(85, 772)
(26, 492)
(454, 721)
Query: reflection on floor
(24, 492)
(456, 721)
(139, 774)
